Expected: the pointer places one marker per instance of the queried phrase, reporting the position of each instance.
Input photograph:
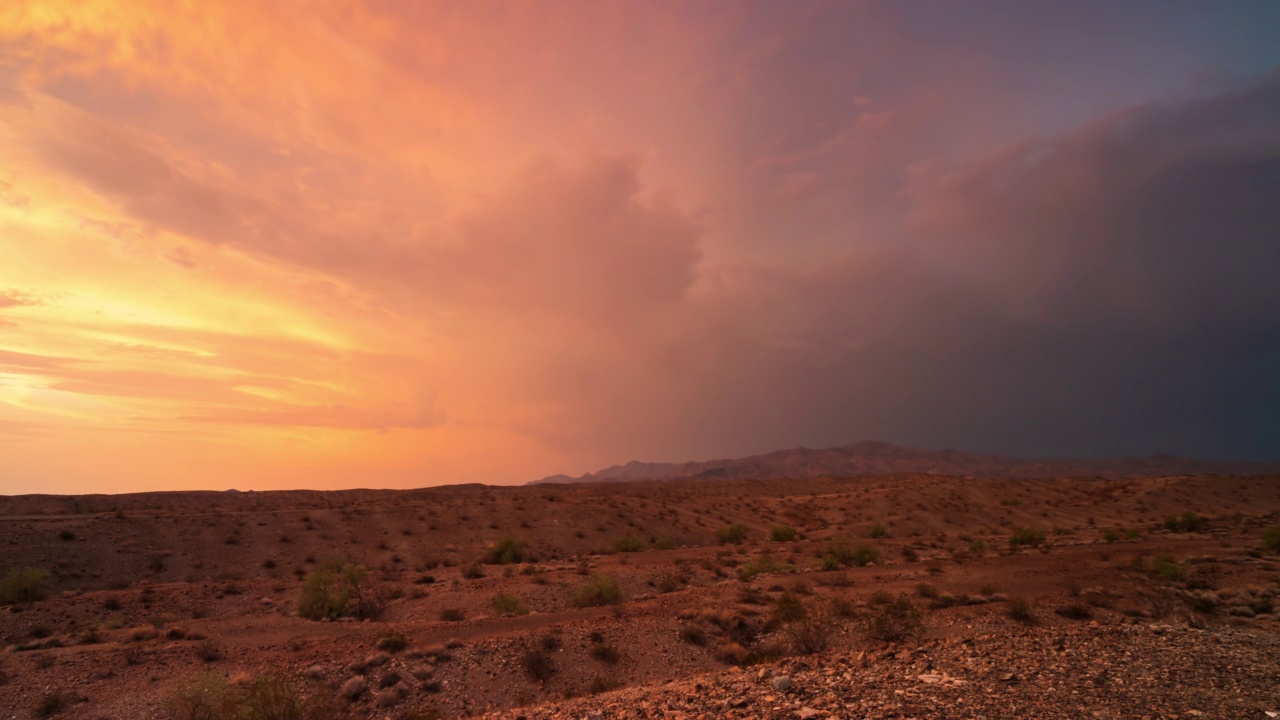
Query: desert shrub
(605, 653)
(876, 531)
(23, 585)
(977, 546)
(1168, 568)
(788, 608)
(782, 533)
(761, 565)
(452, 614)
(1132, 534)
(1187, 522)
(472, 572)
(1019, 609)
(506, 551)
(1032, 537)
(1206, 604)
(628, 543)
(839, 553)
(538, 664)
(732, 534)
(600, 684)
(670, 581)
(895, 620)
(67, 535)
(391, 641)
(599, 590)
(508, 605)
(52, 703)
(1075, 611)
(927, 591)
(1271, 538)
(812, 633)
(209, 650)
(1111, 535)
(694, 635)
(665, 543)
(206, 697)
(332, 590)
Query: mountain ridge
(876, 457)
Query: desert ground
(903, 596)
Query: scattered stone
(781, 683)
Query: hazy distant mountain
(878, 458)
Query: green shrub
(538, 664)
(665, 543)
(508, 605)
(507, 551)
(598, 591)
(877, 531)
(1271, 538)
(1110, 535)
(731, 534)
(332, 590)
(23, 585)
(977, 547)
(1033, 537)
(782, 533)
(628, 543)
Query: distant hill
(880, 458)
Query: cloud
(18, 298)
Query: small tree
(333, 590)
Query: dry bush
(506, 551)
(1075, 611)
(895, 620)
(628, 543)
(209, 650)
(788, 608)
(598, 591)
(812, 633)
(1019, 609)
(391, 641)
(734, 534)
(605, 653)
(333, 590)
(1031, 537)
(601, 684)
(21, 585)
(453, 614)
(782, 533)
(508, 605)
(694, 635)
(538, 664)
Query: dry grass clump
(598, 591)
(26, 584)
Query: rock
(781, 683)
(354, 688)
(315, 672)
(808, 713)
(739, 702)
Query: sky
(371, 243)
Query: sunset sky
(393, 244)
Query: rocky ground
(974, 598)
